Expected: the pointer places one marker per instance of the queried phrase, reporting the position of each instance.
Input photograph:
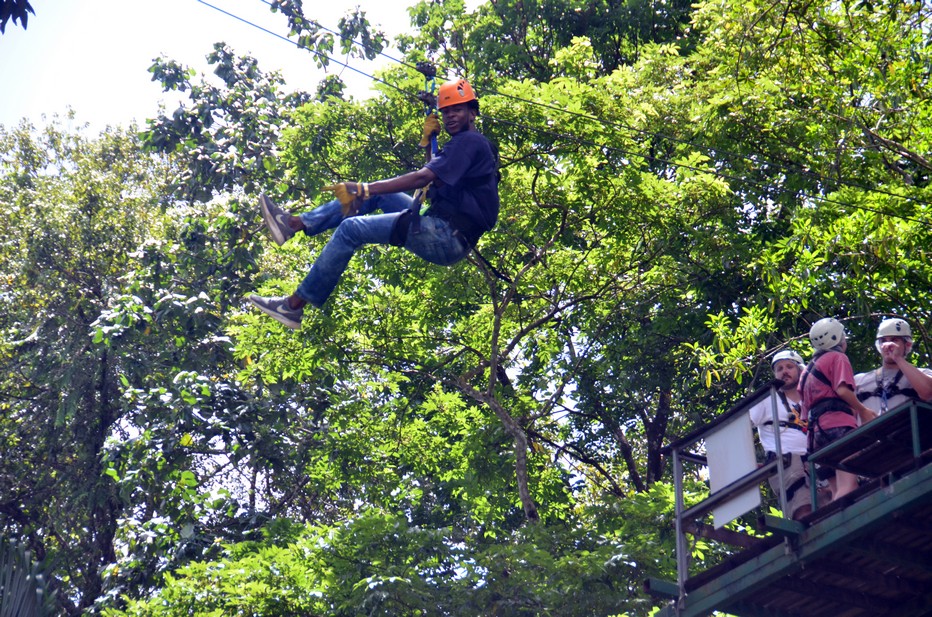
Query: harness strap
(795, 486)
(821, 408)
(813, 370)
(793, 412)
(826, 405)
(783, 424)
(797, 483)
(887, 391)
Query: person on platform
(787, 366)
(829, 404)
(895, 381)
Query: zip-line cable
(354, 41)
(299, 46)
(708, 149)
(646, 157)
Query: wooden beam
(859, 572)
(734, 538)
(840, 596)
(896, 555)
(782, 526)
(662, 587)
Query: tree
(851, 208)
(64, 198)
(18, 10)
(23, 590)
(439, 440)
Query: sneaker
(278, 308)
(276, 220)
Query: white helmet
(787, 354)
(826, 333)
(894, 327)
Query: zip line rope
(354, 41)
(315, 52)
(646, 157)
(708, 149)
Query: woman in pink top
(829, 404)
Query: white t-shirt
(874, 386)
(791, 439)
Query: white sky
(94, 55)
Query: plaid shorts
(823, 437)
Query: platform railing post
(682, 555)
(779, 449)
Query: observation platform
(869, 554)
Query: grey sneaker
(278, 308)
(276, 220)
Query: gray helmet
(787, 354)
(826, 333)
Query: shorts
(796, 481)
(821, 438)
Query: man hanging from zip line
(896, 381)
(787, 366)
(463, 194)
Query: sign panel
(730, 452)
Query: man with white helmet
(787, 366)
(895, 381)
(829, 404)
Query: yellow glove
(431, 128)
(350, 195)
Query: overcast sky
(94, 55)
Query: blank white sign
(730, 452)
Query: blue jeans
(434, 243)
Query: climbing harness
(825, 405)
(787, 461)
(792, 414)
(410, 221)
(887, 390)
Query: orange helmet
(455, 92)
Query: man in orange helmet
(463, 194)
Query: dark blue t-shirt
(466, 194)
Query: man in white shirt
(787, 366)
(896, 381)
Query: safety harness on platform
(793, 421)
(885, 392)
(825, 405)
(792, 414)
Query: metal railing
(681, 451)
(894, 442)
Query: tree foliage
(17, 10)
(684, 189)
